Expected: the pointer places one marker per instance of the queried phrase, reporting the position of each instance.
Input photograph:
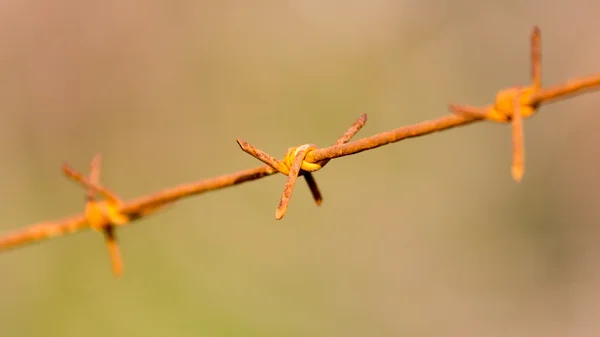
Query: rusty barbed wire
(511, 105)
(294, 164)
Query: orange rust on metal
(518, 164)
(472, 114)
(94, 176)
(262, 156)
(91, 185)
(42, 230)
(143, 206)
(113, 250)
(288, 189)
(542, 96)
(135, 209)
(282, 167)
(352, 130)
(469, 111)
(291, 158)
(314, 189)
(571, 88)
(536, 57)
(512, 105)
(349, 134)
(384, 138)
(110, 235)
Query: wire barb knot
(104, 213)
(306, 166)
(101, 215)
(512, 105)
(294, 164)
(506, 103)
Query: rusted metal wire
(92, 205)
(294, 164)
(511, 105)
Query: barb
(530, 99)
(92, 183)
(518, 165)
(134, 209)
(93, 210)
(294, 164)
(511, 105)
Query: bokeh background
(426, 237)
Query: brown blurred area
(426, 237)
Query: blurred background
(426, 237)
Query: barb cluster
(511, 105)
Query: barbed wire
(511, 105)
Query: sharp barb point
(241, 143)
(517, 173)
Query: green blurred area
(427, 237)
